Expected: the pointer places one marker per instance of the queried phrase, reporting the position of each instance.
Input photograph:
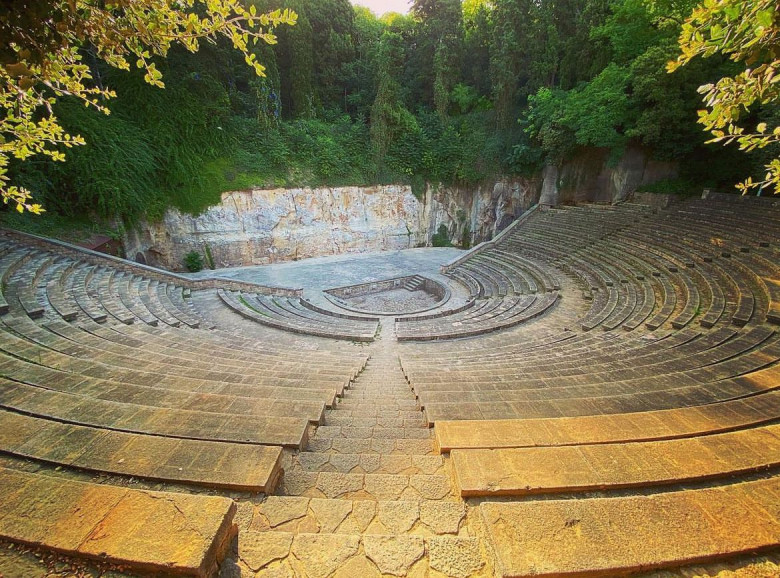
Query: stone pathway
(368, 496)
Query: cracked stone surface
(394, 554)
(319, 555)
(296, 481)
(334, 484)
(258, 549)
(385, 486)
(431, 487)
(398, 517)
(363, 512)
(442, 517)
(330, 513)
(280, 510)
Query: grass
(246, 304)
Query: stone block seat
(109, 374)
(601, 398)
(288, 314)
(486, 316)
(117, 525)
(505, 291)
(609, 453)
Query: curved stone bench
(240, 467)
(583, 468)
(117, 525)
(600, 536)
(269, 314)
(610, 429)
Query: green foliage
(418, 184)
(454, 94)
(680, 187)
(465, 240)
(441, 238)
(50, 224)
(748, 33)
(193, 261)
(42, 49)
(209, 257)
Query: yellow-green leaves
(120, 32)
(747, 32)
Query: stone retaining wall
(101, 259)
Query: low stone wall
(101, 259)
(337, 295)
(769, 200)
(449, 265)
(368, 288)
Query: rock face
(262, 226)
(480, 212)
(591, 176)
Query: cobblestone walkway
(368, 496)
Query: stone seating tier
(632, 431)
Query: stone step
(369, 556)
(617, 536)
(408, 446)
(365, 486)
(401, 404)
(525, 471)
(337, 418)
(377, 396)
(337, 431)
(242, 467)
(413, 414)
(369, 463)
(297, 514)
(116, 525)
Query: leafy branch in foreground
(748, 32)
(42, 52)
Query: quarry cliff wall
(261, 226)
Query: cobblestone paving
(368, 497)
(398, 300)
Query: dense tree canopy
(748, 33)
(43, 46)
(455, 92)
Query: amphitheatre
(592, 392)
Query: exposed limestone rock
(591, 176)
(485, 209)
(261, 226)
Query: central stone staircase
(368, 496)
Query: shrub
(442, 237)
(465, 240)
(193, 261)
(209, 257)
